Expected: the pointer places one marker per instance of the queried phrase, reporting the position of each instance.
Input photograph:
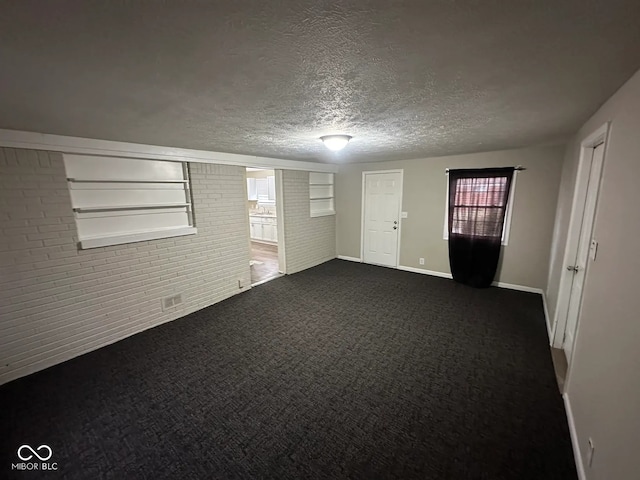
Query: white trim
(425, 272)
(362, 200)
(89, 146)
(575, 225)
(400, 217)
(96, 242)
(445, 226)
(322, 213)
(349, 259)
(521, 288)
(509, 211)
(401, 171)
(507, 215)
(574, 438)
(509, 286)
(362, 204)
(282, 252)
(393, 170)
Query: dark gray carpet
(342, 371)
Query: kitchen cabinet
(263, 228)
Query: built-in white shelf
(122, 200)
(129, 207)
(114, 180)
(321, 194)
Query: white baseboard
(510, 286)
(433, 273)
(349, 259)
(522, 288)
(574, 438)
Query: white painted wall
(57, 302)
(309, 241)
(524, 261)
(602, 386)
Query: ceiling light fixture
(336, 142)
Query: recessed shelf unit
(321, 194)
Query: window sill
(95, 242)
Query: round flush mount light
(335, 142)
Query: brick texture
(57, 302)
(309, 241)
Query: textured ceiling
(406, 79)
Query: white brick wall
(309, 241)
(57, 302)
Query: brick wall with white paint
(309, 241)
(57, 302)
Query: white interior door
(382, 201)
(580, 264)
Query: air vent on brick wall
(170, 302)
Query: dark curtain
(477, 206)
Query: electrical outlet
(421, 261)
(590, 452)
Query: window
(124, 200)
(262, 189)
(321, 201)
(475, 199)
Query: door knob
(395, 222)
(573, 268)
(395, 228)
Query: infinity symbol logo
(45, 456)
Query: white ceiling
(406, 79)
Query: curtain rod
(518, 168)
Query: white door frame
(585, 166)
(362, 203)
(282, 255)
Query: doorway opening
(581, 247)
(262, 209)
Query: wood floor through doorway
(264, 261)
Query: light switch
(404, 215)
(593, 249)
